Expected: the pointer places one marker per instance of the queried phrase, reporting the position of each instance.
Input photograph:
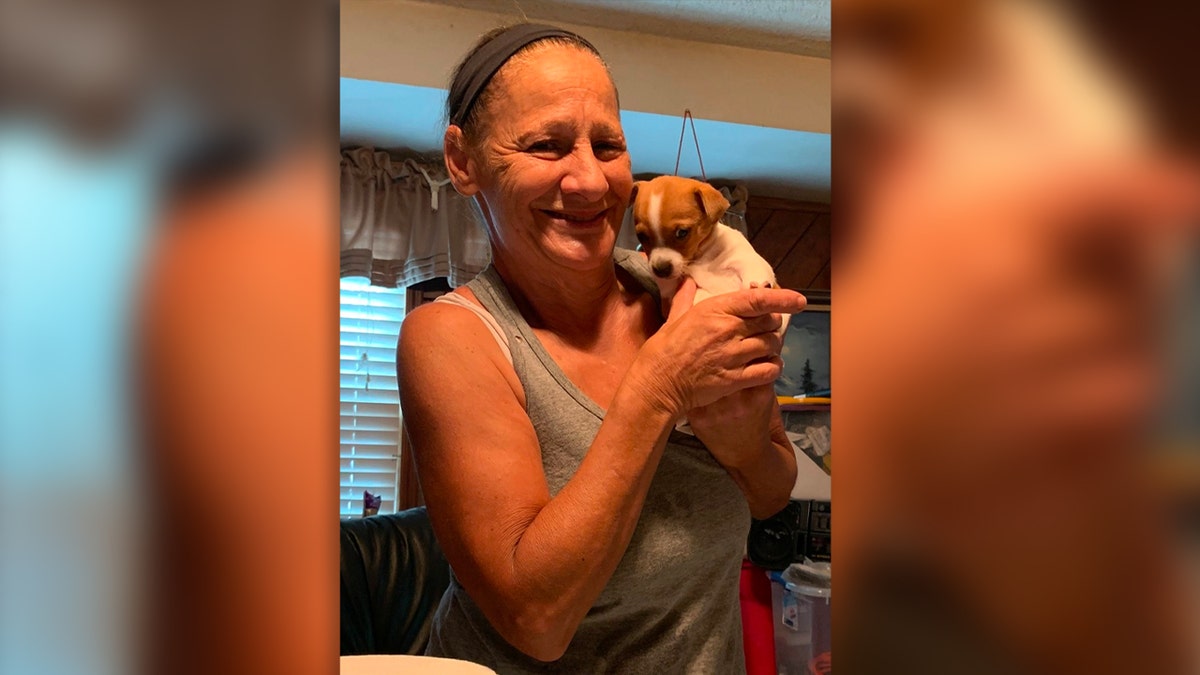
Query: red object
(758, 625)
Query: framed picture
(803, 387)
(805, 352)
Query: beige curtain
(403, 223)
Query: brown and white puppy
(678, 223)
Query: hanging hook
(687, 116)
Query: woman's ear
(459, 163)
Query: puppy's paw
(760, 284)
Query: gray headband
(482, 65)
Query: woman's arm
(533, 564)
(744, 432)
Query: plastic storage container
(800, 604)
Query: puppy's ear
(633, 193)
(711, 201)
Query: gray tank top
(671, 606)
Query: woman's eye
(682, 233)
(608, 150)
(546, 147)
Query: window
(370, 402)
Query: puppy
(678, 223)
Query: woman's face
(553, 169)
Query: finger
(762, 372)
(766, 391)
(765, 323)
(683, 299)
(772, 341)
(758, 301)
(761, 346)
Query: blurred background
(166, 187)
(1015, 342)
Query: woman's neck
(571, 303)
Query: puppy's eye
(642, 238)
(682, 233)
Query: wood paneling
(794, 237)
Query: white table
(393, 664)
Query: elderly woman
(542, 397)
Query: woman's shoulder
(630, 260)
(634, 264)
(443, 321)
(440, 334)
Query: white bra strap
(484, 315)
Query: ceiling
(790, 26)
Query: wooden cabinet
(794, 237)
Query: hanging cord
(687, 115)
(364, 360)
(435, 186)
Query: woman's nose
(585, 175)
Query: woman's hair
(471, 92)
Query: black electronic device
(801, 530)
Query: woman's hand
(721, 360)
(744, 432)
(736, 427)
(737, 422)
(721, 346)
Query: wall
(418, 43)
(794, 237)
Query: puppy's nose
(662, 269)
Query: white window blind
(370, 401)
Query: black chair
(393, 575)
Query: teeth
(575, 219)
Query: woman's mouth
(579, 218)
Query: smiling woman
(566, 118)
(581, 528)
